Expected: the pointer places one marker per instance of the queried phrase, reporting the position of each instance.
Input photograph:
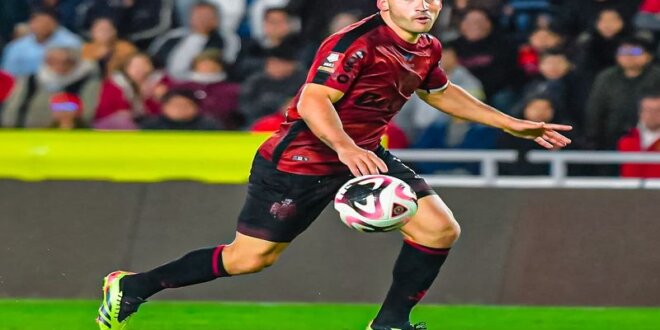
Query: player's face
(414, 16)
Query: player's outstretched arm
(317, 110)
(455, 101)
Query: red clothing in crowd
(632, 143)
(270, 123)
(113, 99)
(650, 6)
(6, 85)
(396, 137)
(219, 100)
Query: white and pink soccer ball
(375, 203)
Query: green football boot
(416, 326)
(116, 309)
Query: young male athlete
(360, 79)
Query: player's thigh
(247, 254)
(433, 225)
(279, 206)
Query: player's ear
(383, 5)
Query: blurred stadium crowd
(236, 64)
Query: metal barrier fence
(558, 160)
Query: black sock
(195, 267)
(415, 269)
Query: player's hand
(546, 135)
(361, 162)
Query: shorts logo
(330, 62)
(300, 159)
(283, 210)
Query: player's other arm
(317, 110)
(455, 101)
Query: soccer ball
(375, 203)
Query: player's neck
(406, 36)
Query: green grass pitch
(74, 315)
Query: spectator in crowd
(559, 83)
(577, 16)
(521, 17)
(277, 27)
(181, 112)
(540, 40)
(598, 49)
(643, 138)
(105, 48)
(317, 14)
(67, 111)
(257, 11)
(231, 12)
(177, 49)
(11, 13)
(612, 106)
(262, 93)
(217, 97)
(536, 108)
(342, 20)
(24, 56)
(453, 12)
(66, 10)
(138, 21)
(129, 95)
(63, 71)
(490, 57)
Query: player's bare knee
(444, 235)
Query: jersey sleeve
(436, 80)
(337, 65)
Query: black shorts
(280, 205)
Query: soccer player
(360, 79)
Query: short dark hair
(554, 52)
(646, 95)
(288, 50)
(211, 54)
(276, 9)
(185, 93)
(210, 5)
(46, 11)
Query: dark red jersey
(378, 72)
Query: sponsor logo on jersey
(300, 159)
(330, 62)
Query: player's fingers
(553, 141)
(371, 165)
(560, 137)
(379, 163)
(543, 143)
(353, 168)
(362, 167)
(558, 127)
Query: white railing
(558, 178)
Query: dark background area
(555, 247)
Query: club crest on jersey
(331, 61)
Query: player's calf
(242, 261)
